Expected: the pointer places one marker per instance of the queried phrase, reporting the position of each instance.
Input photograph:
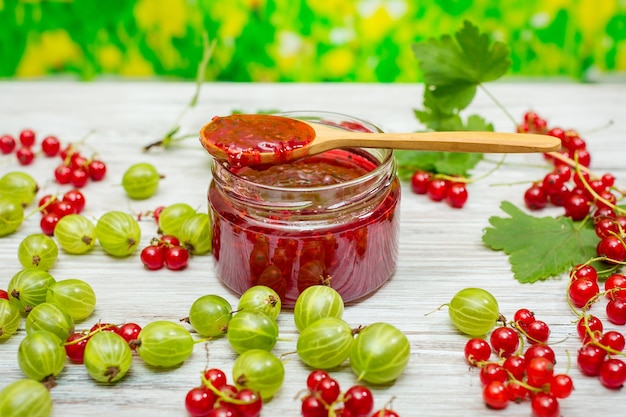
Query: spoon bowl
(267, 139)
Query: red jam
(327, 219)
(255, 134)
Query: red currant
(615, 286)
(539, 350)
(557, 132)
(251, 403)
(436, 189)
(176, 258)
(50, 146)
(199, 401)
(564, 171)
(613, 340)
(493, 372)
(516, 391)
(590, 359)
(613, 373)
(587, 324)
(602, 212)
(25, 155)
(359, 400)
(7, 144)
(104, 327)
(129, 331)
(312, 406)
(577, 207)
(79, 177)
(46, 204)
(229, 390)
(552, 183)
(584, 157)
(477, 350)
(561, 386)
(27, 137)
(153, 257)
(157, 212)
(216, 377)
(584, 271)
(78, 161)
(75, 347)
(537, 332)
(608, 180)
(97, 170)
(328, 390)
(504, 341)
(315, 377)
(76, 198)
(64, 208)
(616, 311)
(62, 174)
(545, 404)
(456, 194)
(167, 241)
(48, 222)
(613, 248)
(419, 182)
(495, 395)
(581, 178)
(582, 290)
(535, 197)
(523, 317)
(539, 371)
(516, 366)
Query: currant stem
(222, 396)
(498, 103)
(169, 138)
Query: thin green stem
(170, 137)
(498, 103)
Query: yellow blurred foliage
(167, 17)
(49, 51)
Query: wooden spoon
(266, 139)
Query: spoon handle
(457, 141)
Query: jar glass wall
(328, 219)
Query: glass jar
(294, 225)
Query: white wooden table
(440, 253)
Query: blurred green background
(300, 40)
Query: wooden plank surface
(440, 248)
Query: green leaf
(467, 58)
(540, 247)
(447, 163)
(453, 67)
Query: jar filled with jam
(330, 219)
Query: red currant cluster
(599, 353)
(570, 184)
(438, 188)
(53, 209)
(76, 342)
(519, 373)
(76, 169)
(165, 251)
(611, 229)
(215, 397)
(25, 154)
(324, 398)
(573, 186)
